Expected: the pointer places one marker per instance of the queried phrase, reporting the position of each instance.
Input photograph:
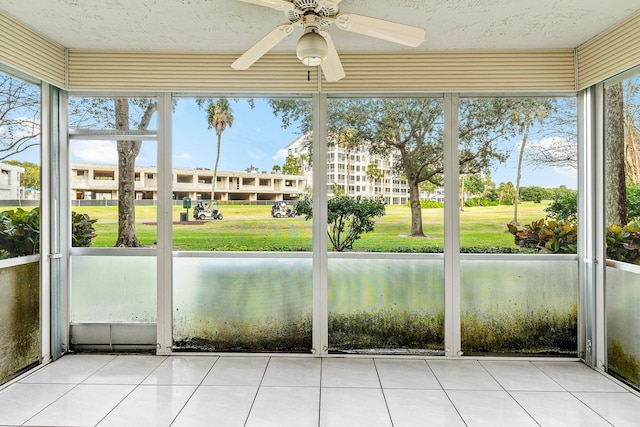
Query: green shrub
(475, 201)
(428, 204)
(534, 194)
(564, 207)
(547, 236)
(347, 217)
(20, 231)
(82, 230)
(633, 202)
(623, 242)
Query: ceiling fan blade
(379, 28)
(263, 46)
(331, 66)
(273, 4)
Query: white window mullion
(320, 257)
(164, 252)
(452, 338)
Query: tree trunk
(127, 153)
(632, 152)
(632, 155)
(215, 169)
(416, 210)
(462, 195)
(525, 136)
(615, 185)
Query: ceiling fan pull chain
(308, 74)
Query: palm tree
(373, 173)
(219, 116)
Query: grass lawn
(252, 228)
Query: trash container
(183, 216)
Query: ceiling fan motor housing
(321, 8)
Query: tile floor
(141, 390)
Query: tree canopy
(123, 115)
(412, 129)
(19, 116)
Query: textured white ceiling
(233, 26)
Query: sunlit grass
(247, 228)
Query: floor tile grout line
(75, 385)
(494, 373)
(136, 386)
(246, 420)
(509, 392)
(434, 375)
(104, 365)
(445, 393)
(197, 387)
(51, 403)
(491, 375)
(589, 407)
(384, 396)
(549, 376)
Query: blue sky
(257, 138)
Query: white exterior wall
(100, 182)
(10, 188)
(391, 188)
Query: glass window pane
(385, 187)
(114, 181)
(107, 115)
(113, 289)
(120, 198)
(390, 151)
(242, 304)
(622, 170)
(19, 167)
(515, 306)
(622, 219)
(20, 187)
(518, 164)
(237, 177)
(390, 306)
(255, 168)
(623, 342)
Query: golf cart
(206, 210)
(281, 209)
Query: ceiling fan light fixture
(312, 49)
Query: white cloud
(98, 151)
(280, 155)
(568, 172)
(551, 143)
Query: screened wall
(448, 288)
(20, 185)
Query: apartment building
(100, 182)
(10, 183)
(347, 171)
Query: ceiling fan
(315, 46)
